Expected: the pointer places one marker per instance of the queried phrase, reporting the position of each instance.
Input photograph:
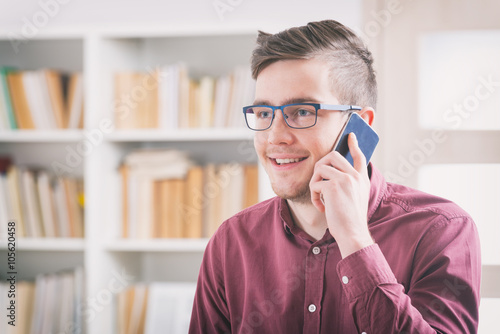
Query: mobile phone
(367, 138)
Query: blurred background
(98, 97)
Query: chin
(302, 195)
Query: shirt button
(312, 308)
(345, 280)
(316, 250)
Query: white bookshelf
(181, 135)
(158, 245)
(47, 244)
(40, 136)
(98, 53)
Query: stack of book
(165, 195)
(41, 204)
(167, 98)
(44, 99)
(155, 308)
(51, 304)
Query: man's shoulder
(261, 213)
(271, 205)
(411, 200)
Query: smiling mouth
(281, 162)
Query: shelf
(44, 136)
(178, 135)
(149, 30)
(158, 245)
(47, 244)
(181, 135)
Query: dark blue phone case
(367, 138)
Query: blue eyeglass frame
(317, 106)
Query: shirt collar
(378, 188)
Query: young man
(339, 250)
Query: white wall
(14, 15)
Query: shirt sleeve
(443, 295)
(210, 312)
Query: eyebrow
(287, 101)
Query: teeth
(286, 161)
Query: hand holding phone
(345, 200)
(367, 138)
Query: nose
(279, 132)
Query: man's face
(295, 81)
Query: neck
(308, 218)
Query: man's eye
(264, 114)
(304, 112)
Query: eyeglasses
(296, 115)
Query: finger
(323, 177)
(358, 158)
(325, 171)
(336, 160)
(316, 196)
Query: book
(38, 99)
(6, 98)
(75, 221)
(206, 102)
(192, 205)
(55, 90)
(62, 213)
(212, 200)
(4, 214)
(30, 204)
(46, 204)
(25, 299)
(54, 303)
(183, 93)
(222, 94)
(124, 170)
(14, 205)
(179, 101)
(170, 218)
(142, 111)
(4, 117)
(74, 102)
(165, 195)
(175, 219)
(42, 205)
(158, 307)
(19, 100)
(132, 309)
(169, 307)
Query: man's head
(323, 62)
(350, 62)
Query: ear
(368, 114)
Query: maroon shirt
(262, 274)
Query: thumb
(358, 158)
